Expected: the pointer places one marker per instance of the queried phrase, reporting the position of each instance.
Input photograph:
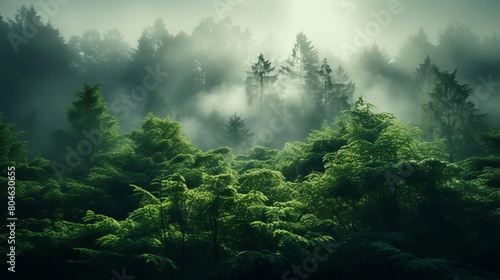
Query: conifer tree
(343, 90)
(449, 113)
(92, 131)
(236, 133)
(326, 80)
(259, 70)
(302, 65)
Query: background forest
(212, 155)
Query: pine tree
(414, 50)
(93, 130)
(235, 132)
(326, 80)
(425, 77)
(302, 64)
(56, 56)
(259, 70)
(451, 116)
(343, 90)
(157, 105)
(301, 72)
(303, 61)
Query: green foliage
(89, 112)
(252, 262)
(93, 132)
(12, 149)
(160, 139)
(386, 200)
(299, 159)
(366, 183)
(352, 195)
(492, 141)
(271, 183)
(214, 161)
(258, 157)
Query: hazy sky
(330, 24)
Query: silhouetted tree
(327, 84)
(93, 130)
(425, 78)
(236, 133)
(303, 61)
(156, 104)
(260, 70)
(457, 46)
(216, 62)
(100, 57)
(375, 61)
(302, 65)
(451, 115)
(152, 50)
(43, 39)
(414, 50)
(343, 90)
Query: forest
(212, 155)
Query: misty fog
(379, 43)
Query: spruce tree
(259, 70)
(236, 133)
(92, 131)
(325, 73)
(343, 90)
(450, 115)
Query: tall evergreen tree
(157, 105)
(303, 61)
(337, 89)
(326, 81)
(152, 50)
(301, 72)
(450, 113)
(457, 47)
(302, 65)
(343, 90)
(425, 79)
(414, 50)
(259, 70)
(57, 55)
(93, 130)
